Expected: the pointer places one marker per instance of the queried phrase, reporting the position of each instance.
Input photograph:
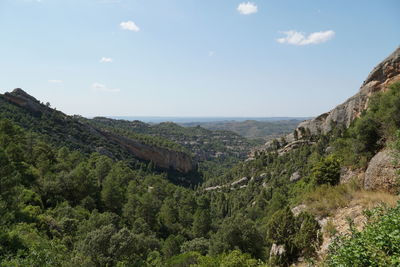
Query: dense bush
(326, 171)
(377, 245)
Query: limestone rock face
(162, 157)
(384, 74)
(382, 173)
(387, 72)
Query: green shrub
(326, 171)
(377, 245)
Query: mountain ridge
(378, 80)
(104, 141)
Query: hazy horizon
(200, 119)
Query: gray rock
(347, 175)
(382, 172)
(298, 209)
(240, 181)
(277, 250)
(385, 73)
(295, 177)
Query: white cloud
(103, 88)
(211, 53)
(129, 26)
(106, 60)
(247, 8)
(298, 38)
(55, 81)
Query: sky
(194, 58)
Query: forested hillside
(63, 202)
(253, 129)
(214, 151)
(202, 143)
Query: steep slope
(61, 129)
(384, 74)
(204, 144)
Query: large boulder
(382, 172)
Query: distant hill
(204, 144)
(182, 120)
(61, 130)
(252, 128)
(214, 150)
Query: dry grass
(370, 199)
(326, 199)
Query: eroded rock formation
(162, 157)
(384, 74)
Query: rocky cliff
(20, 98)
(384, 74)
(84, 135)
(162, 157)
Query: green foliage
(326, 171)
(238, 233)
(235, 258)
(200, 245)
(251, 128)
(372, 130)
(298, 235)
(377, 245)
(63, 204)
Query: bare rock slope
(384, 74)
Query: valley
(113, 192)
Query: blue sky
(194, 57)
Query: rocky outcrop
(382, 172)
(240, 181)
(387, 72)
(384, 74)
(162, 157)
(339, 225)
(21, 98)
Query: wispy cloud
(103, 88)
(247, 8)
(106, 60)
(55, 81)
(211, 53)
(298, 38)
(129, 26)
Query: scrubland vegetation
(62, 204)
